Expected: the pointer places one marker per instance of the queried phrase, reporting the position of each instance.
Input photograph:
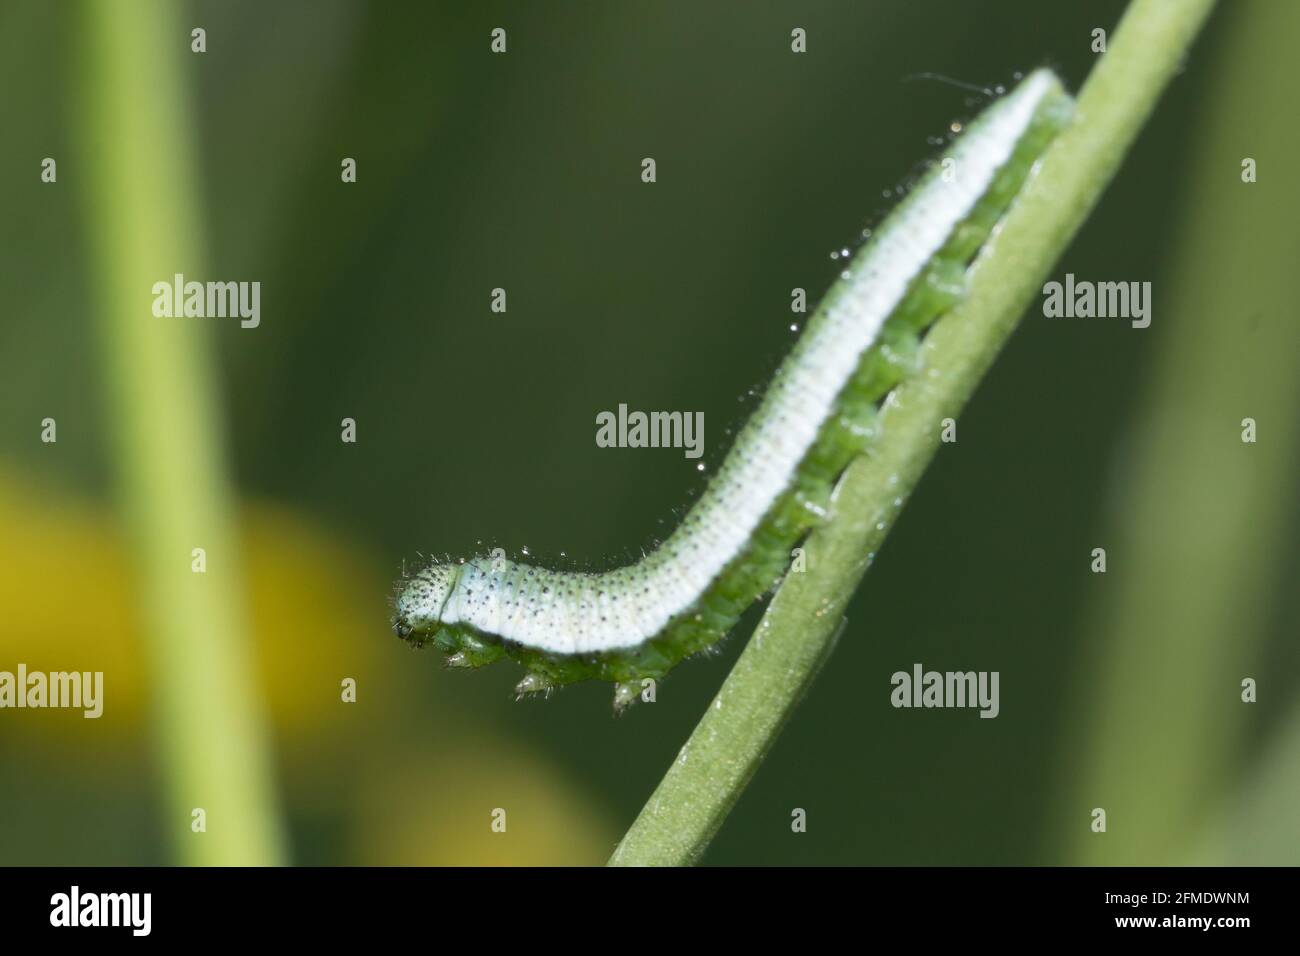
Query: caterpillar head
(417, 612)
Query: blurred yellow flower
(316, 613)
(485, 807)
(317, 617)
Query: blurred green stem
(797, 632)
(136, 165)
(1199, 526)
(1258, 824)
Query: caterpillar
(775, 484)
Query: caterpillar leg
(470, 650)
(533, 684)
(626, 693)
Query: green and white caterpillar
(775, 484)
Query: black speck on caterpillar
(734, 545)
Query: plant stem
(798, 630)
(1198, 519)
(136, 164)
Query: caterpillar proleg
(775, 484)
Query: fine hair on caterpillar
(775, 484)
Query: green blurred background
(475, 429)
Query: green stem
(136, 165)
(1198, 529)
(799, 628)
